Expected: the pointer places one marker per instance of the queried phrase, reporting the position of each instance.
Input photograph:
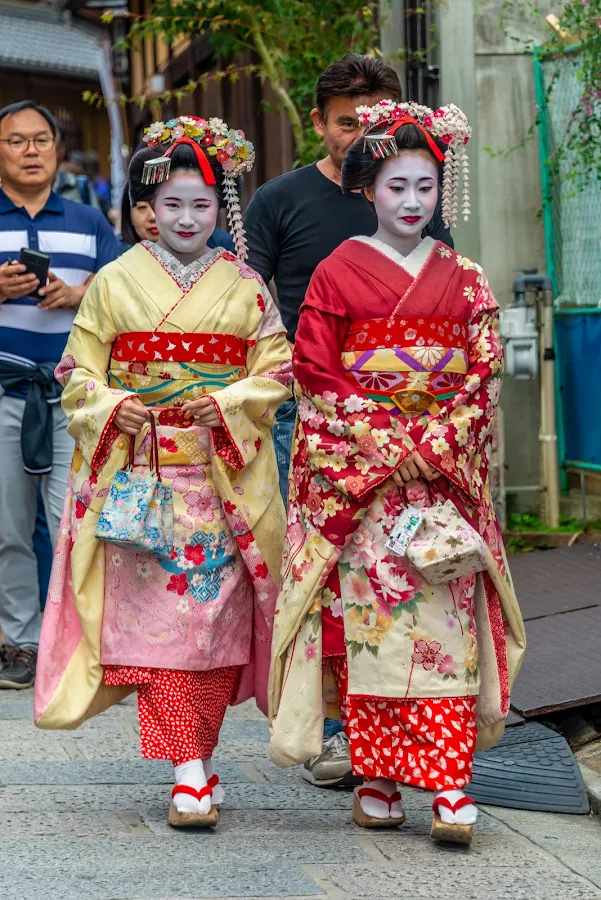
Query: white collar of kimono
(412, 263)
(184, 276)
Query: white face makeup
(186, 212)
(405, 196)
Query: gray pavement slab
(154, 771)
(441, 880)
(82, 817)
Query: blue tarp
(578, 341)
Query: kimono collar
(412, 263)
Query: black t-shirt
(295, 221)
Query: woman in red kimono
(398, 361)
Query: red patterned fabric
(426, 743)
(148, 346)
(395, 332)
(181, 713)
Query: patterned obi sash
(168, 368)
(410, 364)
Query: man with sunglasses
(34, 444)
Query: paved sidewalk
(82, 817)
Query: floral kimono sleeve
(248, 407)
(88, 402)
(457, 442)
(351, 440)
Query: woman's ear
(368, 193)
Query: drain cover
(532, 767)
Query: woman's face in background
(186, 213)
(144, 222)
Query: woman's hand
(131, 416)
(415, 466)
(203, 411)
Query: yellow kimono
(168, 333)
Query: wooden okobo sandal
(361, 818)
(455, 833)
(194, 820)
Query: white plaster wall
(488, 72)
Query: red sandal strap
(464, 801)
(213, 781)
(379, 795)
(186, 789)
(453, 807)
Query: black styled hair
(355, 76)
(360, 169)
(14, 108)
(183, 159)
(128, 232)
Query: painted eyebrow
(196, 199)
(400, 178)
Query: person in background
(138, 223)
(101, 185)
(34, 443)
(71, 182)
(293, 223)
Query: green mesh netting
(571, 216)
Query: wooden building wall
(242, 104)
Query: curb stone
(592, 781)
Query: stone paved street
(82, 817)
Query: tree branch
(279, 89)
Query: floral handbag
(446, 547)
(138, 512)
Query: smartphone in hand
(37, 264)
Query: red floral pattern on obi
(147, 346)
(394, 332)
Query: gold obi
(411, 364)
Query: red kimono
(410, 659)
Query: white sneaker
(333, 765)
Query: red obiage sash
(148, 346)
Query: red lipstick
(411, 220)
(186, 234)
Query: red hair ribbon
(203, 162)
(406, 120)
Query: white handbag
(445, 546)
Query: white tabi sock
(192, 774)
(467, 815)
(218, 792)
(379, 808)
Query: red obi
(148, 346)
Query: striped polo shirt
(80, 241)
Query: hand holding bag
(138, 511)
(446, 547)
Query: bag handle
(154, 448)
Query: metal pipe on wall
(548, 427)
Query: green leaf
(397, 611)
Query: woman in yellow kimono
(192, 338)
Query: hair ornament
(447, 126)
(234, 153)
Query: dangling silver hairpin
(155, 171)
(381, 145)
